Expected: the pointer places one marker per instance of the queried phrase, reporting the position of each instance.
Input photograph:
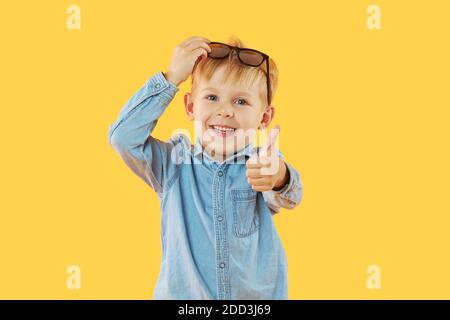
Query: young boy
(217, 197)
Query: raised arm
(130, 135)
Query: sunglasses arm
(268, 81)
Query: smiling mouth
(223, 131)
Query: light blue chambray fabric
(218, 237)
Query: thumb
(271, 139)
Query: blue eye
(239, 99)
(211, 95)
(245, 102)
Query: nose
(225, 111)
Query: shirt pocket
(245, 215)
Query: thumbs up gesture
(266, 170)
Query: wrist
(169, 77)
(284, 178)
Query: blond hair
(237, 72)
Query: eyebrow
(241, 93)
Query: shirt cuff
(291, 188)
(158, 84)
(173, 84)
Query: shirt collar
(248, 151)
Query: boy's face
(226, 114)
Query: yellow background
(364, 117)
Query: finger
(189, 40)
(272, 169)
(253, 173)
(200, 52)
(271, 139)
(256, 163)
(258, 182)
(252, 160)
(262, 188)
(199, 44)
(265, 159)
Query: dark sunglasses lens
(218, 50)
(251, 57)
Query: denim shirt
(218, 237)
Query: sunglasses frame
(238, 50)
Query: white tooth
(223, 129)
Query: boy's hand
(185, 55)
(266, 171)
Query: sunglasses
(249, 57)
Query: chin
(229, 151)
(225, 143)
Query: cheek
(249, 119)
(201, 111)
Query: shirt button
(220, 173)
(157, 86)
(220, 218)
(222, 265)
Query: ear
(267, 117)
(189, 105)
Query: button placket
(220, 225)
